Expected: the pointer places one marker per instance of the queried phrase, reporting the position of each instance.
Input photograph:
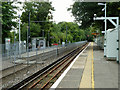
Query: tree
(73, 30)
(39, 11)
(7, 19)
(56, 34)
(35, 30)
(0, 22)
(74, 34)
(40, 14)
(84, 11)
(0, 12)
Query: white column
(118, 40)
(105, 38)
(119, 43)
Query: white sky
(61, 13)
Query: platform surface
(89, 70)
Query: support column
(118, 40)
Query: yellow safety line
(92, 69)
(86, 80)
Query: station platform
(91, 70)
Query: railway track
(19, 71)
(48, 75)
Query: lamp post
(19, 39)
(105, 28)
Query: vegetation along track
(48, 75)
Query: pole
(14, 37)
(28, 40)
(29, 29)
(48, 38)
(66, 34)
(14, 56)
(105, 38)
(43, 32)
(28, 33)
(19, 39)
(118, 41)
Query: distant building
(38, 42)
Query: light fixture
(101, 4)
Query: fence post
(27, 61)
(14, 60)
(36, 58)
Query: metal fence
(100, 41)
(18, 67)
(13, 48)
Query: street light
(101, 4)
(105, 28)
(103, 8)
(115, 23)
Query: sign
(7, 43)
(95, 34)
(54, 44)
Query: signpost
(7, 45)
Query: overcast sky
(61, 13)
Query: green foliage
(0, 12)
(56, 34)
(84, 11)
(39, 11)
(7, 16)
(74, 34)
(34, 28)
(12, 34)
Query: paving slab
(69, 84)
(75, 72)
(105, 72)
